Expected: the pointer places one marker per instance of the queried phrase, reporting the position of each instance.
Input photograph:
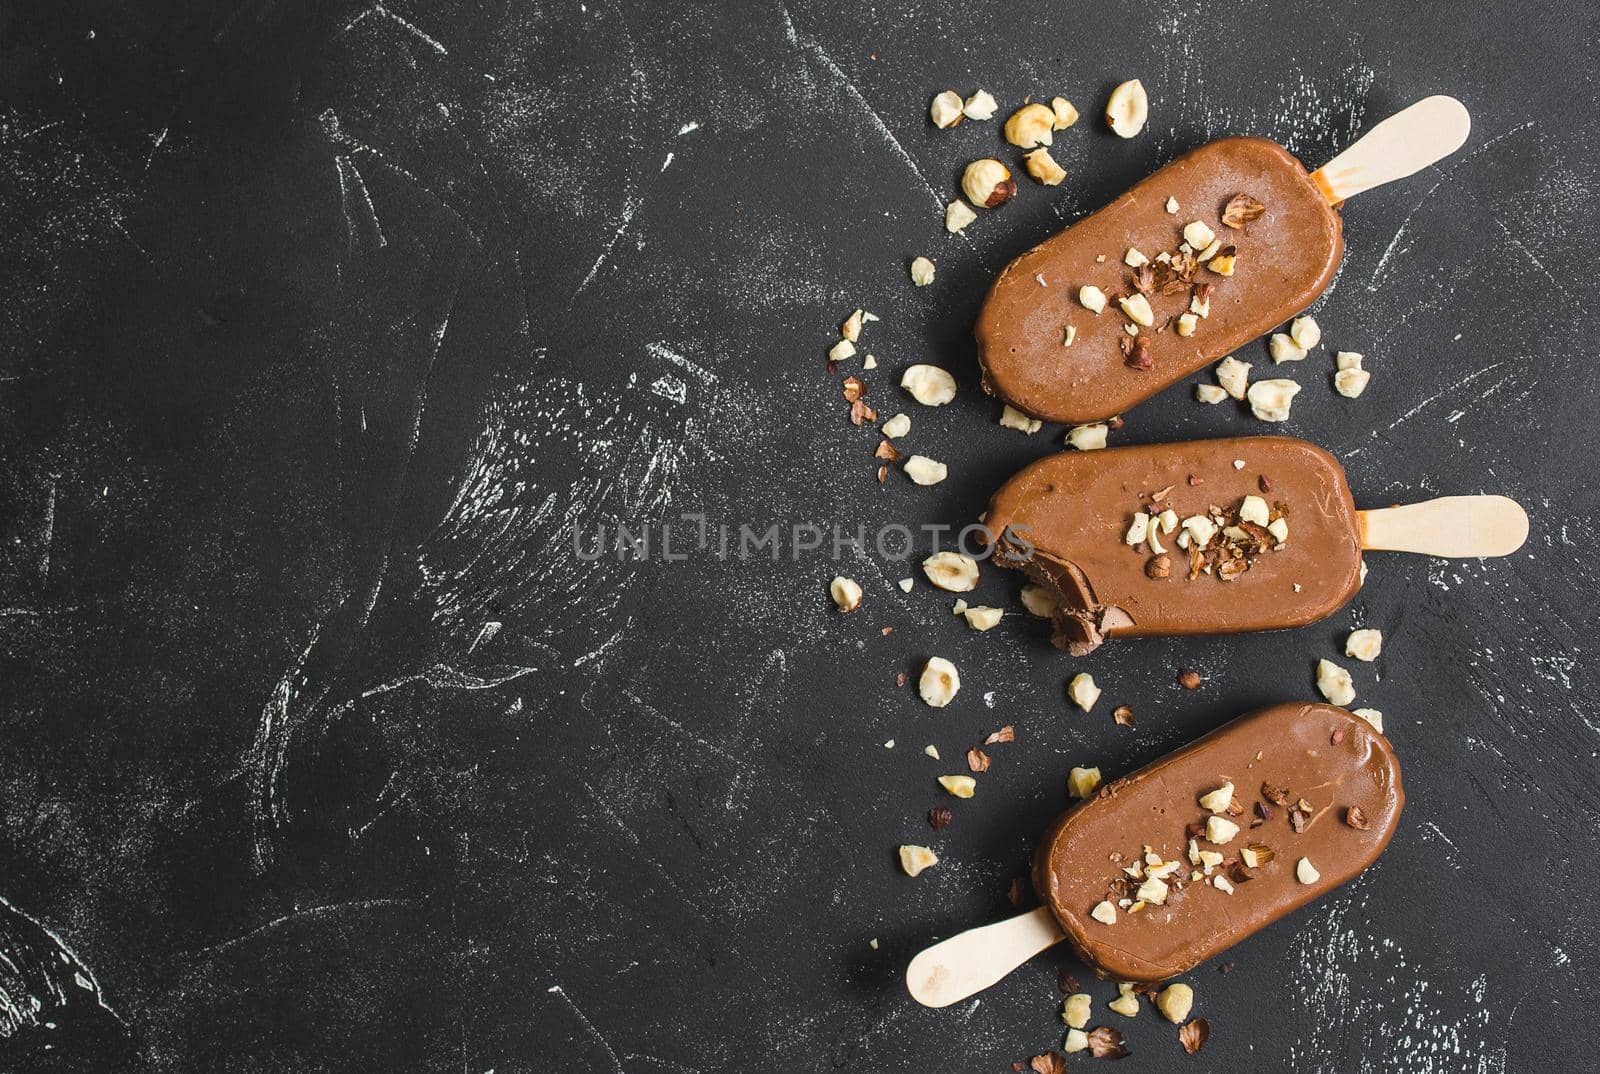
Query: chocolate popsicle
(1147, 882)
(1219, 548)
(1210, 252)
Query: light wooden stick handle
(1457, 526)
(1406, 142)
(971, 961)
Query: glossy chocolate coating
(1285, 260)
(1317, 752)
(1068, 513)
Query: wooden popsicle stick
(1458, 526)
(968, 962)
(1406, 142)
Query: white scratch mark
(616, 1061)
(630, 207)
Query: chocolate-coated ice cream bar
(1210, 252)
(1214, 536)
(1161, 870)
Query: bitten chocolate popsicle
(1214, 536)
(1165, 868)
(1210, 252)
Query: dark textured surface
(325, 324)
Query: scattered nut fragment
(841, 351)
(1305, 872)
(1187, 323)
(1068, 334)
(1348, 360)
(925, 471)
(960, 786)
(960, 607)
(1221, 883)
(1075, 1010)
(1103, 911)
(1092, 298)
(1043, 167)
(1200, 304)
(1335, 683)
(980, 106)
(1283, 348)
(1127, 1002)
(1175, 1001)
(928, 384)
(1356, 818)
(869, 362)
(1372, 716)
(1012, 418)
(1172, 206)
(1254, 509)
(1088, 437)
(1220, 830)
(1077, 1041)
(1137, 308)
(906, 584)
(939, 682)
(983, 617)
(1083, 691)
(957, 216)
(1030, 125)
(1256, 855)
(1279, 528)
(931, 750)
(1128, 108)
(1225, 262)
(1082, 782)
(987, 183)
(914, 859)
(1153, 891)
(1217, 801)
(951, 571)
(1350, 383)
(1200, 529)
(1189, 680)
(1062, 111)
(1270, 399)
(1134, 258)
(921, 271)
(1305, 332)
(851, 329)
(945, 111)
(1158, 567)
(1198, 235)
(896, 427)
(846, 593)
(1040, 601)
(1234, 376)
(1364, 644)
(1138, 530)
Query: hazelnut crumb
(1189, 680)
(846, 593)
(921, 271)
(914, 859)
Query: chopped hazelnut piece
(846, 593)
(939, 682)
(1350, 383)
(1270, 399)
(1187, 323)
(1174, 1002)
(1128, 108)
(1220, 830)
(1068, 334)
(1305, 872)
(851, 329)
(1127, 1002)
(925, 471)
(841, 351)
(1348, 360)
(1043, 167)
(1093, 299)
(957, 216)
(1305, 332)
(1372, 716)
(1220, 882)
(960, 607)
(1279, 528)
(1172, 206)
(1040, 601)
(914, 859)
(951, 571)
(931, 750)
(945, 111)
(987, 183)
(1137, 308)
(1134, 258)
(1030, 125)
(1364, 644)
(1254, 509)
(906, 584)
(921, 271)
(1217, 801)
(1077, 1041)
(1158, 567)
(1200, 529)
(1083, 691)
(1064, 114)
(1200, 307)
(1283, 348)
(869, 362)
(1335, 683)
(896, 427)
(960, 786)
(1256, 855)
(983, 617)
(928, 384)
(1225, 262)
(1234, 376)
(1138, 529)
(1075, 1010)
(980, 106)
(1012, 418)
(1153, 891)
(1088, 437)
(1103, 911)
(1082, 782)
(1198, 235)
(1189, 680)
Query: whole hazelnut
(987, 183)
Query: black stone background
(325, 324)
